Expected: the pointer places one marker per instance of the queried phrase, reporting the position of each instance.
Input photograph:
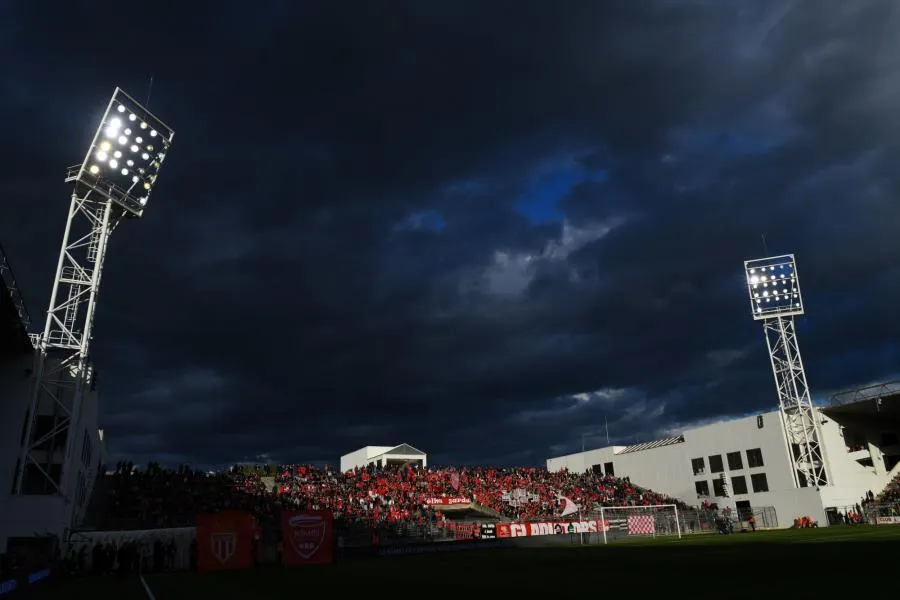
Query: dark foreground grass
(813, 563)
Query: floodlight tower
(112, 183)
(775, 299)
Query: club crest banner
(224, 541)
(307, 537)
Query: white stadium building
(745, 463)
(382, 456)
(39, 513)
(40, 510)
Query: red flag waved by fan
(225, 541)
(307, 537)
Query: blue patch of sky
(759, 131)
(426, 220)
(841, 303)
(539, 200)
(726, 144)
(742, 145)
(873, 361)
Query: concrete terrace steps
(489, 511)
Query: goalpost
(623, 522)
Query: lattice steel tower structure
(775, 299)
(111, 184)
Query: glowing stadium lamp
(124, 159)
(113, 181)
(773, 287)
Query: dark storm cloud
(351, 242)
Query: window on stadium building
(739, 484)
(715, 464)
(608, 468)
(734, 461)
(760, 483)
(702, 488)
(719, 488)
(754, 458)
(87, 449)
(698, 465)
(81, 490)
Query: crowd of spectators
(361, 496)
(536, 492)
(131, 556)
(157, 497)
(891, 493)
(889, 496)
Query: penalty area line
(147, 587)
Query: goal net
(638, 522)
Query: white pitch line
(147, 588)
(832, 538)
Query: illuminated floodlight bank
(773, 287)
(127, 152)
(112, 183)
(775, 299)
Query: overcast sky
(477, 227)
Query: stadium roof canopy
(14, 318)
(678, 439)
(882, 399)
(404, 449)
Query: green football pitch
(812, 563)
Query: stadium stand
(891, 492)
(157, 497)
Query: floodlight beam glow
(138, 170)
(773, 287)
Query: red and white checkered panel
(641, 525)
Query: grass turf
(812, 563)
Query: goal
(635, 522)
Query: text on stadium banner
(488, 531)
(307, 537)
(510, 530)
(446, 501)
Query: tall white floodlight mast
(112, 183)
(775, 299)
